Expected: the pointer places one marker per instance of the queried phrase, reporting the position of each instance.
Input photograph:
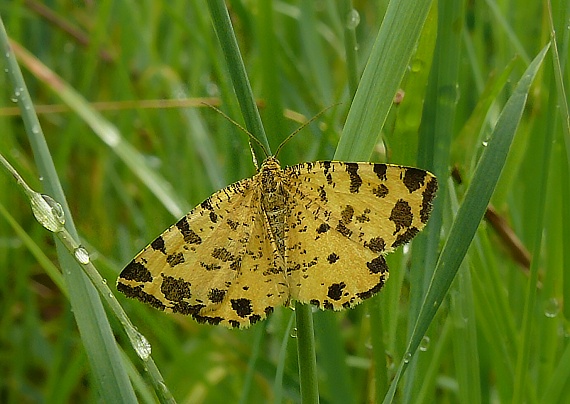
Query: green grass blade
(109, 372)
(236, 68)
(523, 378)
(383, 74)
(471, 210)
(306, 354)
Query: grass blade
(391, 53)
(471, 211)
(109, 372)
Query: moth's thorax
(274, 199)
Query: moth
(315, 232)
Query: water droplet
(81, 255)
(36, 129)
(352, 19)
(407, 357)
(141, 344)
(485, 143)
(424, 345)
(448, 95)
(416, 65)
(48, 212)
(294, 333)
(551, 308)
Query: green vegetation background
(501, 333)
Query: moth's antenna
(256, 140)
(300, 128)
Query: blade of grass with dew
(436, 131)
(565, 119)
(470, 212)
(523, 377)
(109, 372)
(384, 70)
(270, 71)
(50, 214)
(236, 68)
(107, 132)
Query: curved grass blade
(470, 212)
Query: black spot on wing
(158, 245)
(401, 215)
(377, 265)
(189, 235)
(323, 228)
(332, 258)
(380, 191)
(234, 323)
(233, 224)
(175, 259)
(372, 291)
(216, 295)
(175, 289)
(207, 204)
(347, 214)
(342, 229)
(414, 178)
(380, 171)
(136, 271)
(222, 254)
(207, 320)
(335, 290)
(242, 307)
(428, 195)
(187, 309)
(322, 193)
(355, 180)
(376, 244)
(210, 267)
(138, 293)
(406, 236)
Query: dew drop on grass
(352, 19)
(551, 308)
(48, 212)
(424, 344)
(407, 357)
(141, 345)
(294, 333)
(416, 65)
(81, 255)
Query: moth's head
(270, 164)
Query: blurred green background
(501, 333)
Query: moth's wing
(216, 263)
(344, 218)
